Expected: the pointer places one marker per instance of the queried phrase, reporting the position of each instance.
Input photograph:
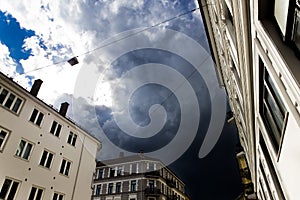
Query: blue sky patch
(12, 35)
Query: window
(118, 187)
(58, 196)
(46, 159)
(9, 189)
(3, 137)
(296, 31)
(110, 188)
(72, 138)
(100, 174)
(271, 168)
(65, 167)
(272, 108)
(36, 193)
(24, 149)
(119, 171)
(10, 100)
(98, 190)
(111, 172)
(55, 128)
(133, 186)
(151, 185)
(36, 117)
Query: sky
(145, 81)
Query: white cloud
(74, 27)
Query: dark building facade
(136, 177)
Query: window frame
(36, 193)
(63, 168)
(133, 185)
(118, 187)
(4, 140)
(110, 188)
(22, 152)
(55, 128)
(269, 94)
(8, 192)
(37, 118)
(12, 105)
(59, 195)
(71, 140)
(98, 189)
(44, 165)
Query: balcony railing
(152, 191)
(152, 174)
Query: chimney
(63, 108)
(36, 87)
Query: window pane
(54, 124)
(43, 159)
(39, 120)
(2, 137)
(74, 139)
(33, 115)
(58, 130)
(5, 188)
(13, 190)
(20, 148)
(9, 101)
(61, 197)
(67, 168)
(275, 111)
(55, 196)
(62, 167)
(32, 193)
(39, 194)
(49, 160)
(27, 151)
(70, 137)
(17, 105)
(3, 95)
(296, 37)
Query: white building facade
(256, 47)
(43, 154)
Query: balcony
(152, 174)
(150, 191)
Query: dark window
(271, 168)
(55, 128)
(110, 188)
(65, 167)
(272, 109)
(100, 174)
(24, 149)
(9, 189)
(111, 172)
(151, 185)
(133, 186)
(72, 138)
(3, 95)
(57, 196)
(119, 171)
(10, 100)
(36, 117)
(3, 137)
(46, 159)
(98, 190)
(118, 187)
(36, 193)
